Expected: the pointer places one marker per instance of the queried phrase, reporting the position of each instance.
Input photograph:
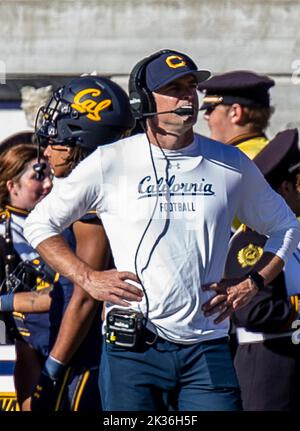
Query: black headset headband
(141, 98)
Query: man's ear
(236, 113)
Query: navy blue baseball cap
(171, 65)
(240, 86)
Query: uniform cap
(240, 86)
(244, 252)
(280, 157)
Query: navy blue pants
(168, 376)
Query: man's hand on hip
(112, 286)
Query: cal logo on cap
(89, 106)
(175, 61)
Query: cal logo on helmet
(89, 105)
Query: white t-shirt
(186, 243)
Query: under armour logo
(177, 165)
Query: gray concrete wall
(72, 36)
(111, 35)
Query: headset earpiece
(141, 99)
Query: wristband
(53, 368)
(257, 280)
(7, 303)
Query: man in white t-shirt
(167, 199)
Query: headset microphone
(187, 110)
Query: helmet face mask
(46, 120)
(89, 111)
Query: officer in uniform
(267, 360)
(237, 109)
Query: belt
(244, 336)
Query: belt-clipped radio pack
(124, 327)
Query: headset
(141, 98)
